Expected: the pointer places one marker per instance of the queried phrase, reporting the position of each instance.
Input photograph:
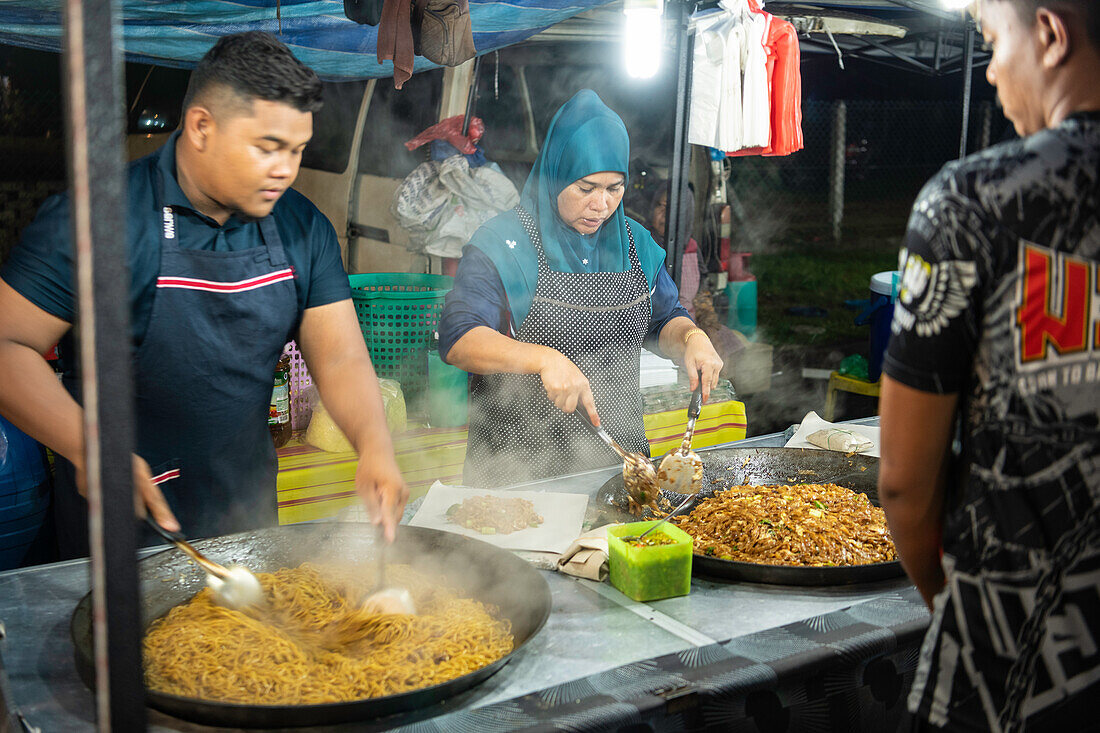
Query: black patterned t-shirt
(999, 301)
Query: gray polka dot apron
(599, 321)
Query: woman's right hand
(566, 385)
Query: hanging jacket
(785, 89)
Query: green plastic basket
(398, 312)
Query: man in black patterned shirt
(997, 331)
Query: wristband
(692, 332)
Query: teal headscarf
(585, 137)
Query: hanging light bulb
(643, 39)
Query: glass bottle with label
(278, 418)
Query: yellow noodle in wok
(311, 645)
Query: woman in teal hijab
(552, 304)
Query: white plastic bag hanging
(442, 203)
(420, 200)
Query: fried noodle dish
(805, 524)
(494, 514)
(311, 645)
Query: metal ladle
(233, 587)
(382, 598)
(670, 515)
(639, 476)
(682, 469)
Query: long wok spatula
(233, 587)
(682, 469)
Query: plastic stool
(841, 383)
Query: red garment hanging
(450, 130)
(784, 87)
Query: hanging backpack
(442, 31)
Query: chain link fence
(863, 164)
(32, 157)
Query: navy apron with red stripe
(203, 381)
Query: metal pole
(471, 98)
(681, 151)
(937, 57)
(987, 125)
(92, 71)
(968, 73)
(836, 166)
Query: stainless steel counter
(592, 629)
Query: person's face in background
(658, 219)
(1015, 67)
(585, 204)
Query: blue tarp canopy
(178, 32)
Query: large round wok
(725, 467)
(479, 570)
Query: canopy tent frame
(967, 60)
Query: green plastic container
(398, 312)
(742, 312)
(447, 397)
(649, 573)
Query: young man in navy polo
(226, 265)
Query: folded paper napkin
(863, 439)
(587, 556)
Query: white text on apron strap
(169, 223)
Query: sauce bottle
(278, 417)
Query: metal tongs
(682, 469)
(233, 587)
(639, 476)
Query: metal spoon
(233, 587)
(670, 515)
(682, 469)
(381, 598)
(639, 476)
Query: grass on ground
(819, 276)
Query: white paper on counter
(813, 422)
(562, 516)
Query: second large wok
(725, 467)
(478, 570)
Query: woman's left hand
(701, 358)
